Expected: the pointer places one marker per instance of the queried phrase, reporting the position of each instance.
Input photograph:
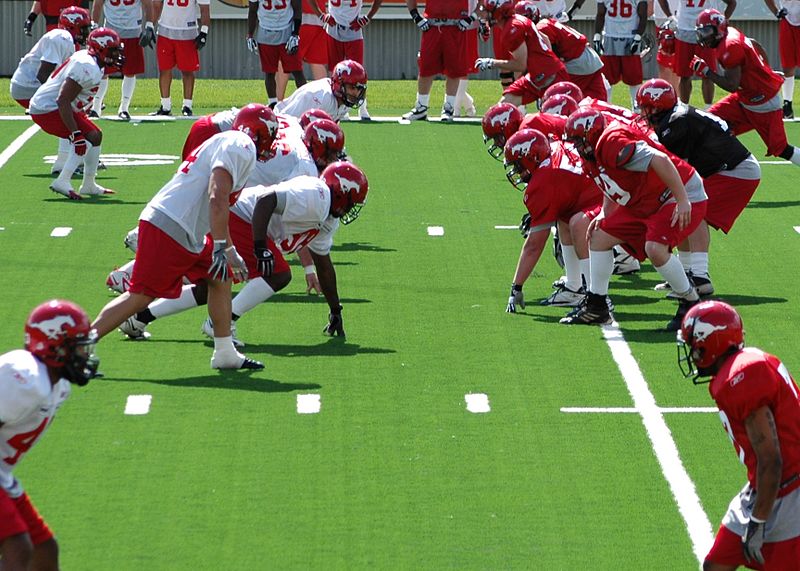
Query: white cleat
(447, 113)
(95, 190)
(64, 189)
(119, 280)
(208, 330)
(131, 240)
(234, 361)
(418, 113)
(134, 329)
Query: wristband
(32, 17)
(310, 270)
(149, 25)
(220, 243)
(754, 519)
(204, 29)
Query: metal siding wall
(391, 46)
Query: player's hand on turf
(312, 284)
(78, 142)
(335, 325)
(266, 260)
(752, 541)
(484, 63)
(148, 36)
(252, 45)
(597, 43)
(292, 44)
(516, 299)
(238, 265)
(219, 262)
(700, 67)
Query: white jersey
(291, 156)
(305, 220)
(124, 17)
(274, 15)
(622, 19)
(224, 119)
(313, 95)
(28, 403)
(81, 68)
(793, 9)
(658, 13)
(179, 22)
(54, 47)
(550, 8)
(184, 199)
(689, 10)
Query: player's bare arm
(158, 5)
(262, 214)
(665, 8)
(376, 5)
(600, 20)
(252, 18)
(316, 8)
(69, 91)
(219, 189)
(641, 11)
(730, 81)
(518, 61)
(667, 172)
(45, 69)
(577, 5)
(97, 10)
(763, 435)
(730, 6)
(529, 255)
(147, 11)
(327, 280)
(205, 15)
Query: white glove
(597, 43)
(292, 44)
(252, 45)
(484, 63)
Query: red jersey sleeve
(540, 197)
(513, 35)
(732, 53)
(748, 389)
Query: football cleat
(208, 330)
(593, 311)
(683, 308)
(624, 263)
(92, 114)
(234, 361)
(95, 190)
(124, 115)
(161, 111)
(186, 111)
(131, 240)
(447, 113)
(702, 285)
(564, 297)
(118, 280)
(134, 329)
(418, 113)
(788, 112)
(64, 189)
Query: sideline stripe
(17, 143)
(619, 409)
(308, 404)
(682, 487)
(138, 404)
(797, 229)
(435, 230)
(507, 227)
(477, 402)
(60, 232)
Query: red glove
(358, 23)
(700, 67)
(327, 19)
(79, 142)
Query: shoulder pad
(625, 154)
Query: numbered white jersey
(55, 47)
(274, 14)
(689, 10)
(291, 157)
(28, 403)
(178, 19)
(81, 68)
(793, 9)
(658, 12)
(184, 199)
(550, 8)
(124, 17)
(621, 18)
(305, 220)
(313, 95)
(344, 11)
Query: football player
(47, 54)
(557, 192)
(276, 42)
(688, 47)
(653, 201)
(183, 231)
(313, 44)
(498, 124)
(126, 19)
(345, 89)
(34, 383)
(759, 405)
(730, 173)
(788, 17)
(344, 23)
(755, 90)
(51, 9)
(178, 45)
(59, 107)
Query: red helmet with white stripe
(524, 152)
(583, 129)
(106, 47)
(325, 141)
(710, 330)
(656, 96)
(261, 125)
(499, 123)
(77, 22)
(559, 104)
(711, 28)
(348, 185)
(349, 74)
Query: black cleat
(252, 365)
(186, 111)
(161, 111)
(683, 308)
(124, 115)
(788, 112)
(92, 114)
(594, 311)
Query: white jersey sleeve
(124, 17)
(55, 47)
(28, 403)
(291, 157)
(313, 95)
(179, 22)
(80, 68)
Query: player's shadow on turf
(739, 299)
(94, 201)
(333, 347)
(235, 380)
(772, 204)
(360, 247)
(302, 297)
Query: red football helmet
(106, 47)
(528, 9)
(709, 330)
(711, 28)
(666, 42)
(499, 123)
(559, 104)
(524, 152)
(564, 88)
(59, 334)
(312, 115)
(583, 129)
(499, 9)
(348, 185)
(656, 96)
(325, 141)
(349, 73)
(260, 124)
(77, 22)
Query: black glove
(148, 36)
(780, 14)
(635, 45)
(753, 540)
(266, 260)
(421, 22)
(292, 44)
(27, 27)
(335, 325)
(465, 22)
(597, 43)
(515, 299)
(200, 40)
(525, 225)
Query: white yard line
(17, 143)
(621, 409)
(477, 403)
(435, 230)
(138, 404)
(60, 232)
(507, 227)
(682, 487)
(308, 404)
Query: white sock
(633, 89)
(64, 147)
(72, 162)
(272, 101)
(571, 266)
(461, 94)
(127, 268)
(675, 276)
(795, 156)
(423, 100)
(224, 346)
(187, 103)
(686, 260)
(788, 88)
(166, 104)
(450, 100)
(90, 161)
(97, 103)
(163, 307)
(254, 292)
(601, 266)
(700, 264)
(585, 270)
(363, 107)
(128, 85)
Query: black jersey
(701, 139)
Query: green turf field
(394, 472)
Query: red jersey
(446, 9)
(747, 381)
(559, 188)
(641, 191)
(759, 83)
(543, 64)
(610, 111)
(551, 125)
(54, 7)
(567, 42)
